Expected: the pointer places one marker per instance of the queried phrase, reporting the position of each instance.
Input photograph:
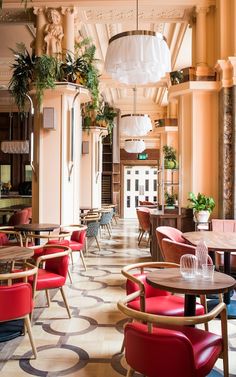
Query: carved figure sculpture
(53, 33)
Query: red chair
(174, 349)
(16, 300)
(77, 240)
(21, 217)
(10, 237)
(54, 272)
(173, 251)
(144, 223)
(152, 300)
(220, 225)
(168, 232)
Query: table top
(11, 253)
(35, 227)
(225, 241)
(171, 280)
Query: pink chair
(144, 223)
(173, 251)
(220, 225)
(21, 217)
(170, 233)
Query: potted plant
(202, 206)
(170, 161)
(170, 200)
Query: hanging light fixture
(134, 146)
(135, 124)
(137, 56)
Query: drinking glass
(188, 266)
(208, 271)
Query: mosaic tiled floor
(88, 344)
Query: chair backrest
(144, 219)
(92, 228)
(29, 209)
(21, 295)
(170, 233)
(172, 251)
(20, 217)
(79, 236)
(59, 264)
(106, 217)
(221, 225)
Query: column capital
(202, 9)
(226, 69)
(38, 10)
(69, 11)
(232, 60)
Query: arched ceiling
(100, 20)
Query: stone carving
(53, 33)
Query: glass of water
(188, 266)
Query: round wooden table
(36, 228)
(171, 280)
(218, 241)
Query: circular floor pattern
(55, 366)
(63, 328)
(96, 273)
(83, 302)
(95, 285)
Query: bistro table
(36, 228)
(171, 280)
(217, 241)
(12, 329)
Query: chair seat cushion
(3, 239)
(165, 305)
(192, 351)
(48, 280)
(76, 246)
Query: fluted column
(40, 25)
(226, 142)
(69, 29)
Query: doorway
(140, 183)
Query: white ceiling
(101, 19)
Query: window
(154, 171)
(154, 185)
(146, 171)
(136, 201)
(136, 172)
(128, 172)
(147, 198)
(128, 185)
(28, 173)
(136, 185)
(128, 202)
(146, 185)
(154, 198)
(5, 172)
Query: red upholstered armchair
(173, 251)
(170, 233)
(77, 241)
(152, 300)
(16, 300)
(174, 349)
(54, 272)
(20, 217)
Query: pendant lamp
(134, 146)
(137, 56)
(135, 124)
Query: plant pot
(169, 164)
(202, 216)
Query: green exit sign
(142, 156)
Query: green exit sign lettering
(142, 156)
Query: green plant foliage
(201, 202)
(170, 199)
(169, 153)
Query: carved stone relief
(53, 33)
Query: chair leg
(97, 243)
(86, 246)
(141, 237)
(65, 301)
(72, 259)
(70, 277)
(48, 297)
(29, 330)
(204, 304)
(130, 372)
(82, 258)
(108, 229)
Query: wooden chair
(10, 237)
(16, 298)
(170, 233)
(77, 241)
(144, 224)
(167, 346)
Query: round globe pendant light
(138, 56)
(134, 146)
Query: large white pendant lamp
(137, 56)
(135, 124)
(134, 146)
